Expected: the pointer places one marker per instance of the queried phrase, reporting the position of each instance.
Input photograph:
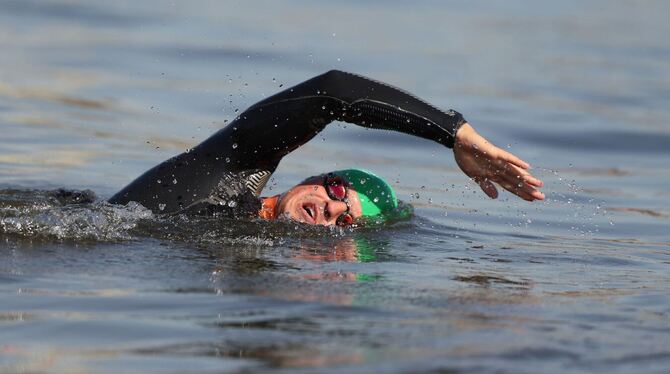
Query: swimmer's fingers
(512, 159)
(524, 175)
(515, 189)
(519, 169)
(533, 181)
(521, 183)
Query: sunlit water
(91, 95)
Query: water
(92, 94)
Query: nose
(335, 208)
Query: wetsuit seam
(428, 120)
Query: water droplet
(174, 181)
(161, 207)
(376, 199)
(232, 203)
(227, 159)
(363, 180)
(234, 145)
(159, 181)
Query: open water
(94, 93)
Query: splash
(67, 214)
(584, 214)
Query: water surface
(93, 94)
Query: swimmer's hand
(485, 163)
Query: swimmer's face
(309, 202)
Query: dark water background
(94, 93)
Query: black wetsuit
(230, 168)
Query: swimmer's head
(341, 197)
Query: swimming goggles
(336, 187)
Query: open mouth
(310, 212)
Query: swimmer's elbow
(334, 75)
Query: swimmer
(226, 173)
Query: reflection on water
(93, 94)
(42, 94)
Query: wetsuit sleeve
(274, 127)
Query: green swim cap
(376, 195)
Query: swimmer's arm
(485, 163)
(374, 104)
(276, 126)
